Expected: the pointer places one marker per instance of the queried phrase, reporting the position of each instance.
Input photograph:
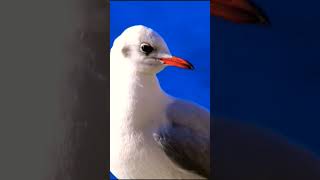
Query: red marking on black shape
(238, 11)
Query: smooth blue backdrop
(270, 76)
(185, 26)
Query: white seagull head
(143, 50)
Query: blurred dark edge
(87, 144)
(54, 93)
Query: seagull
(152, 134)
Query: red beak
(238, 11)
(178, 62)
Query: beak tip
(265, 21)
(191, 67)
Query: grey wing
(186, 140)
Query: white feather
(138, 106)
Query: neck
(135, 97)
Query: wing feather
(186, 140)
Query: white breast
(134, 116)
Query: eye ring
(146, 48)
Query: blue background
(185, 26)
(270, 76)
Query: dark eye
(146, 48)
